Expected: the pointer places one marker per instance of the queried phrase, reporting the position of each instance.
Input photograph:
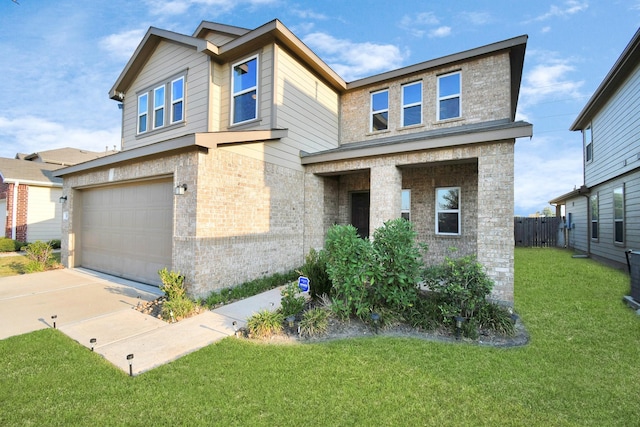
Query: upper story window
(448, 210)
(156, 101)
(449, 90)
(588, 144)
(177, 100)
(618, 215)
(380, 110)
(143, 112)
(595, 216)
(412, 104)
(158, 107)
(244, 86)
(405, 210)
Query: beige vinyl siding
(44, 214)
(578, 234)
(615, 134)
(218, 39)
(166, 62)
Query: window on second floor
(618, 215)
(380, 110)
(143, 112)
(244, 86)
(448, 210)
(177, 100)
(155, 102)
(449, 94)
(588, 144)
(158, 107)
(412, 104)
(594, 217)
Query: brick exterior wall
(7, 191)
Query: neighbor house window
(618, 214)
(405, 210)
(449, 96)
(143, 112)
(412, 104)
(177, 100)
(158, 107)
(594, 216)
(448, 210)
(380, 110)
(245, 91)
(588, 144)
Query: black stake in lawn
(130, 358)
(54, 317)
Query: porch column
(495, 217)
(385, 195)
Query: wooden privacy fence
(536, 232)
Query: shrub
(496, 318)
(463, 285)
(172, 284)
(248, 289)
(292, 302)
(314, 322)
(177, 308)
(7, 245)
(55, 243)
(350, 268)
(315, 268)
(425, 313)
(18, 245)
(265, 323)
(40, 256)
(399, 264)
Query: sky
(58, 60)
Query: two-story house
(603, 215)
(242, 147)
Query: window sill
(455, 236)
(160, 130)
(248, 123)
(377, 132)
(416, 126)
(452, 120)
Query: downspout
(14, 212)
(582, 192)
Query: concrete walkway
(92, 305)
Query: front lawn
(12, 265)
(580, 368)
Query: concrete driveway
(89, 305)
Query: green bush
(350, 268)
(19, 246)
(55, 243)
(314, 322)
(265, 323)
(315, 268)
(496, 318)
(40, 255)
(292, 301)
(248, 289)
(425, 313)
(172, 284)
(177, 308)
(7, 245)
(399, 263)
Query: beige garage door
(127, 229)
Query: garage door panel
(127, 230)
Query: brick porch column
(495, 217)
(385, 195)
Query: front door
(360, 213)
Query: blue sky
(58, 60)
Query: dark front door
(360, 213)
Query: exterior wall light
(180, 190)
(62, 199)
(53, 319)
(459, 320)
(375, 317)
(92, 341)
(130, 359)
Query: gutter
(14, 213)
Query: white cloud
(308, 14)
(355, 60)
(414, 24)
(218, 7)
(477, 18)
(549, 79)
(30, 134)
(569, 7)
(443, 31)
(122, 45)
(545, 30)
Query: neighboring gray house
(603, 215)
(242, 147)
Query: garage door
(127, 229)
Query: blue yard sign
(303, 283)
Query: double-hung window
(143, 112)
(588, 144)
(380, 110)
(177, 100)
(595, 217)
(449, 94)
(412, 104)
(618, 215)
(448, 210)
(405, 209)
(244, 86)
(158, 107)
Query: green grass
(13, 265)
(580, 368)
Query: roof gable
(27, 172)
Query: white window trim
(458, 211)
(444, 98)
(406, 211)
(252, 88)
(145, 113)
(616, 220)
(414, 104)
(174, 101)
(588, 129)
(596, 221)
(374, 112)
(160, 107)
